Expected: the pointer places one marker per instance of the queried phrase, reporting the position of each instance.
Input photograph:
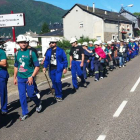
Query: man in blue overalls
(56, 59)
(25, 70)
(76, 63)
(3, 80)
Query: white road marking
(66, 78)
(135, 86)
(101, 137)
(120, 109)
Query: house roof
(55, 33)
(125, 11)
(55, 26)
(30, 33)
(111, 16)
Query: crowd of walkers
(89, 59)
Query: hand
(64, 71)
(70, 66)
(100, 59)
(42, 62)
(30, 81)
(81, 65)
(15, 81)
(44, 70)
(88, 61)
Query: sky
(113, 5)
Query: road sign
(10, 20)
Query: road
(106, 110)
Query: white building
(95, 23)
(45, 39)
(33, 37)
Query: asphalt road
(106, 110)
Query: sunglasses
(52, 42)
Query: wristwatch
(32, 76)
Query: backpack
(30, 54)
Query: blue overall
(76, 69)
(98, 69)
(3, 89)
(86, 65)
(88, 56)
(22, 88)
(56, 74)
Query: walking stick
(48, 83)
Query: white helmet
(73, 39)
(79, 44)
(53, 39)
(90, 42)
(100, 41)
(28, 39)
(109, 42)
(21, 38)
(96, 43)
(112, 41)
(85, 44)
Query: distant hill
(36, 13)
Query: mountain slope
(36, 13)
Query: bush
(65, 44)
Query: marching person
(24, 72)
(87, 58)
(99, 55)
(91, 64)
(76, 63)
(35, 51)
(57, 61)
(3, 80)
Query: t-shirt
(25, 64)
(2, 57)
(76, 53)
(53, 62)
(91, 48)
(34, 50)
(112, 49)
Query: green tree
(45, 28)
(137, 14)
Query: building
(45, 39)
(33, 37)
(96, 23)
(134, 19)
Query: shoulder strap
(30, 52)
(16, 56)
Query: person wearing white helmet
(76, 63)
(110, 60)
(56, 59)
(25, 70)
(99, 55)
(91, 65)
(3, 80)
(35, 51)
(87, 58)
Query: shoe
(85, 84)
(3, 113)
(123, 65)
(22, 118)
(96, 79)
(28, 99)
(58, 99)
(111, 69)
(101, 77)
(39, 108)
(120, 66)
(74, 89)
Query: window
(98, 37)
(81, 25)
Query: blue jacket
(61, 59)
